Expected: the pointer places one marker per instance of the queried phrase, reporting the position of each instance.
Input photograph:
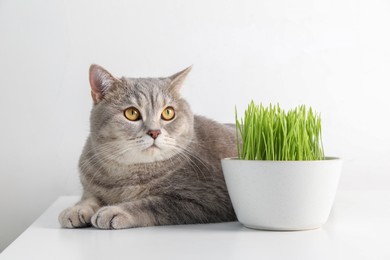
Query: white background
(333, 55)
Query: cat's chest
(124, 188)
(120, 194)
(123, 184)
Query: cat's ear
(101, 81)
(178, 79)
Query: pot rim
(327, 158)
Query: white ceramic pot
(282, 195)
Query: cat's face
(139, 120)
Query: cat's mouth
(153, 147)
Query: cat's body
(148, 160)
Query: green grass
(270, 133)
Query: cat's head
(138, 120)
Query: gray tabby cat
(148, 160)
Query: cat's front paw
(112, 217)
(76, 217)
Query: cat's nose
(154, 133)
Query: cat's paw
(112, 217)
(76, 217)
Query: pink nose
(154, 133)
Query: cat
(148, 159)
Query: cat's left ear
(178, 79)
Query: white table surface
(358, 228)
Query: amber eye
(168, 113)
(132, 114)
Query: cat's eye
(168, 113)
(132, 114)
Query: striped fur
(132, 180)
